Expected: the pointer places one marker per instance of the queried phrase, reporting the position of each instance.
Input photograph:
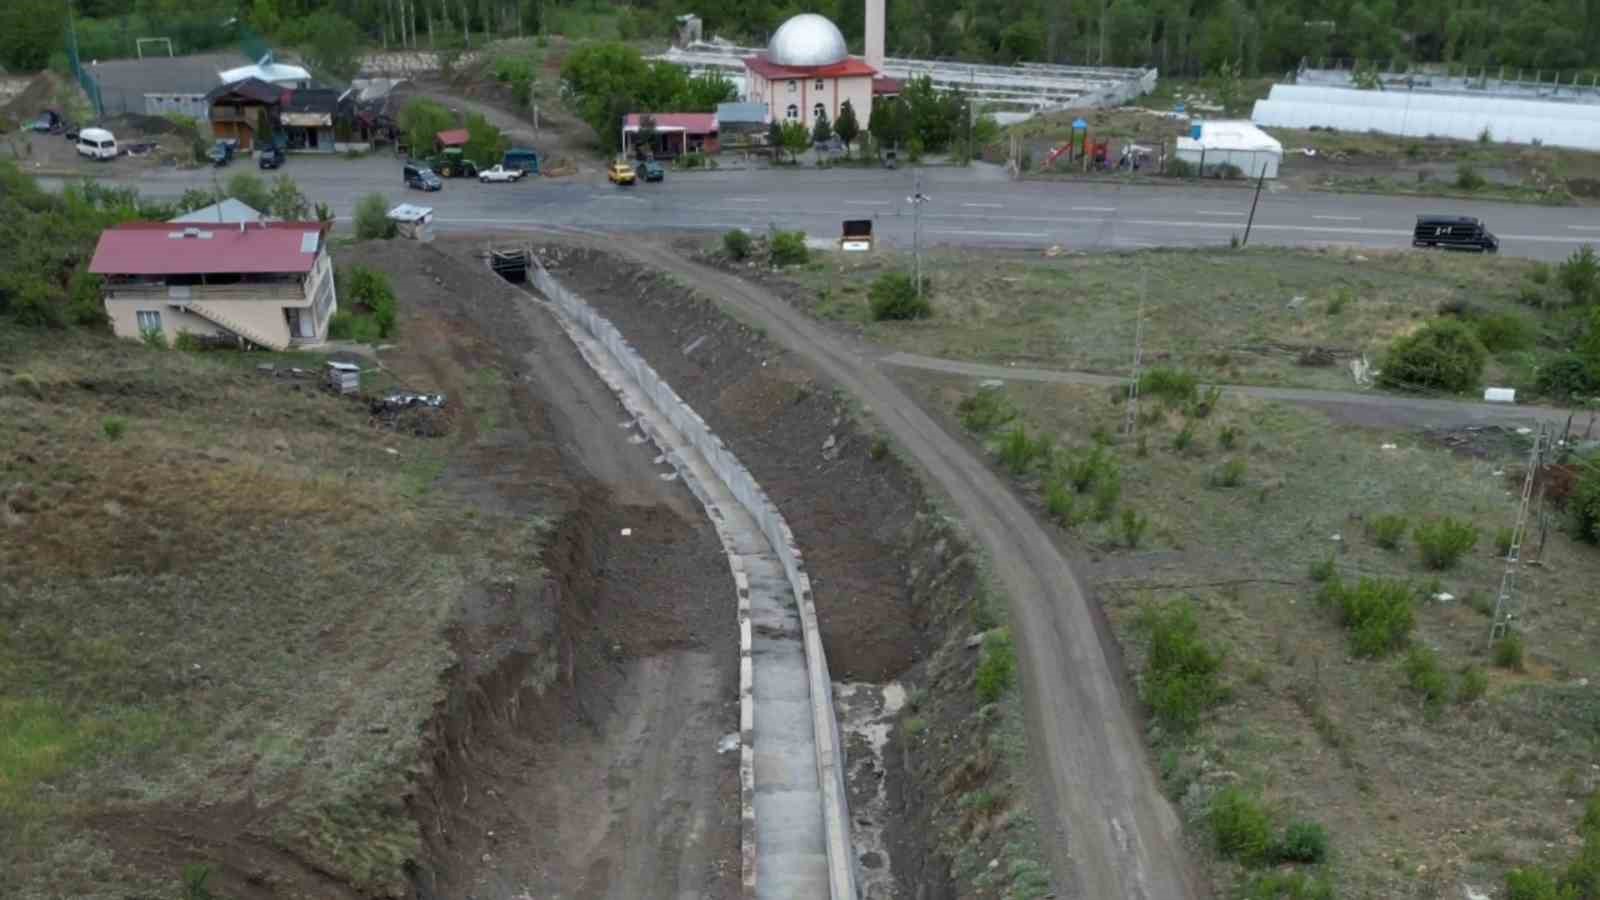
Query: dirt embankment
(897, 588)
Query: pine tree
(822, 130)
(847, 128)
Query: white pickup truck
(499, 173)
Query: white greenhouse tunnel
(1417, 114)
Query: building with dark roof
(244, 112)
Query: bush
(1579, 276)
(998, 669)
(1444, 541)
(985, 411)
(1322, 569)
(1389, 530)
(1184, 439)
(1230, 474)
(1239, 826)
(1175, 388)
(1508, 652)
(1500, 332)
(154, 338)
(114, 428)
(1059, 502)
(1227, 437)
(1180, 168)
(1339, 302)
(1539, 273)
(1134, 526)
(1019, 452)
(1301, 842)
(1424, 676)
(1107, 491)
(1472, 686)
(188, 342)
(1206, 403)
(1377, 613)
(1584, 506)
(1084, 471)
(1443, 355)
(1288, 886)
(1534, 884)
(736, 243)
(788, 248)
(1566, 377)
(1182, 676)
(372, 220)
(1468, 179)
(894, 297)
(1502, 541)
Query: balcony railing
(287, 294)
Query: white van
(97, 143)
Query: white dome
(807, 40)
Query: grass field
(1245, 317)
(226, 595)
(1431, 770)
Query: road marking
(1338, 218)
(985, 205)
(1216, 212)
(747, 199)
(866, 203)
(1027, 234)
(1094, 209)
(1584, 227)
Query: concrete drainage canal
(796, 835)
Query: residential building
(228, 211)
(307, 118)
(676, 134)
(243, 112)
(158, 85)
(807, 72)
(265, 283)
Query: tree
(372, 218)
(333, 47)
(251, 191)
(486, 144)
(29, 31)
(889, 123)
(420, 120)
(1580, 275)
(795, 139)
(847, 128)
(287, 203)
(775, 134)
(1226, 85)
(821, 130)
(645, 139)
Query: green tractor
(453, 163)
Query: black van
(422, 178)
(1454, 233)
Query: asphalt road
(975, 206)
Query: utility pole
(1130, 418)
(916, 200)
(1257, 199)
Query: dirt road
(1115, 835)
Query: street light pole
(916, 200)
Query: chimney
(875, 34)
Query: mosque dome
(807, 40)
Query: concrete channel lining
(733, 474)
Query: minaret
(874, 53)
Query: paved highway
(977, 206)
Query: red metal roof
(693, 123)
(846, 68)
(883, 85)
(149, 248)
(455, 137)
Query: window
(149, 320)
(793, 85)
(793, 112)
(819, 84)
(818, 111)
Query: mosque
(807, 71)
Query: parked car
(221, 153)
(650, 170)
(499, 173)
(1454, 233)
(271, 157)
(97, 143)
(620, 172)
(422, 178)
(49, 122)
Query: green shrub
(114, 427)
(1019, 452)
(1579, 276)
(370, 288)
(1134, 526)
(1468, 179)
(788, 248)
(1206, 403)
(998, 669)
(1535, 884)
(878, 450)
(28, 384)
(1084, 471)
(1184, 439)
(1500, 332)
(1339, 301)
(1180, 168)
(1443, 355)
(1377, 613)
(1322, 569)
(1444, 541)
(1389, 530)
(1539, 273)
(985, 411)
(1472, 685)
(1230, 474)
(893, 296)
(1182, 676)
(1502, 541)
(1107, 491)
(1301, 842)
(188, 342)
(1508, 652)
(372, 220)
(736, 243)
(1584, 505)
(1424, 676)
(1568, 376)
(154, 338)
(1280, 885)
(1059, 502)
(1175, 388)
(1239, 826)
(1227, 437)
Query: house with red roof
(269, 284)
(675, 134)
(807, 72)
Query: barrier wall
(830, 756)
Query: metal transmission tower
(1130, 415)
(1508, 605)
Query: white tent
(1232, 142)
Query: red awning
(183, 248)
(455, 137)
(693, 123)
